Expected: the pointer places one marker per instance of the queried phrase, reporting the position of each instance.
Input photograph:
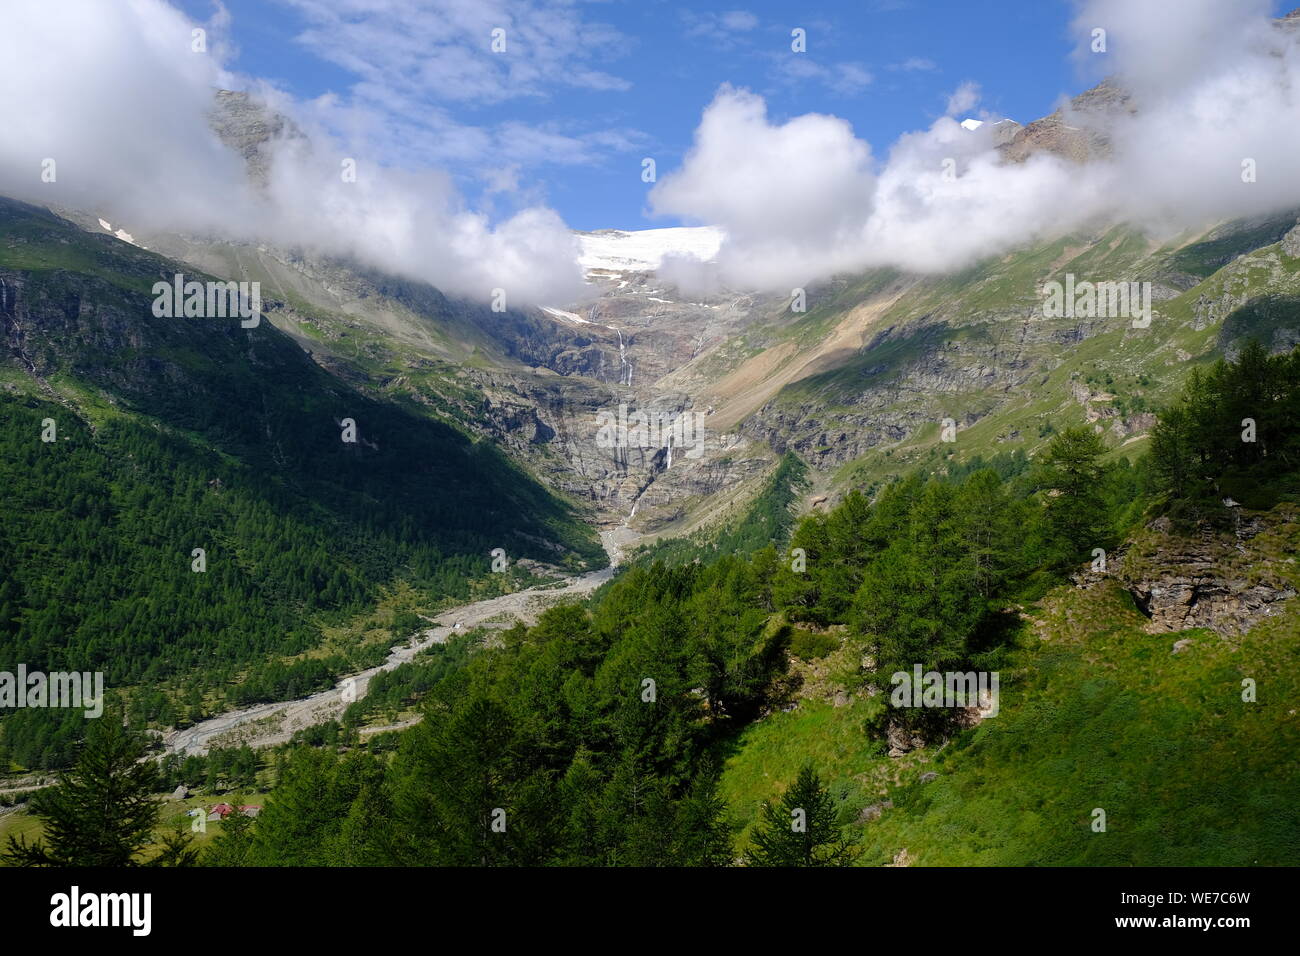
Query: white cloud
(850, 78)
(843, 78)
(722, 30)
(789, 196)
(412, 59)
(425, 49)
(801, 199)
(121, 103)
(964, 98)
(915, 64)
(739, 20)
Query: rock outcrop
(1291, 242)
(1226, 582)
(250, 128)
(1078, 131)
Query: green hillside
(176, 434)
(976, 347)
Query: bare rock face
(1077, 132)
(249, 127)
(1214, 581)
(1291, 241)
(1204, 600)
(901, 739)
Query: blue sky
(585, 90)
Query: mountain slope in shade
(175, 434)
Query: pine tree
(234, 844)
(800, 829)
(455, 777)
(700, 833)
(919, 602)
(102, 813)
(1076, 513)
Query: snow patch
(561, 314)
(643, 250)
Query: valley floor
(267, 725)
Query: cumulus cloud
(1214, 87)
(791, 197)
(118, 104)
(121, 104)
(1227, 91)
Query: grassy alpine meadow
(1101, 715)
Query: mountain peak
(1076, 131)
(247, 125)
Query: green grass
(766, 756)
(22, 825)
(1095, 713)
(1103, 715)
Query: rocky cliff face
(555, 423)
(1225, 581)
(1291, 241)
(248, 127)
(1078, 131)
(976, 350)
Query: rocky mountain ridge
(860, 385)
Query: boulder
(901, 739)
(874, 811)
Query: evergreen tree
(1232, 434)
(233, 846)
(1173, 457)
(700, 836)
(800, 829)
(920, 600)
(455, 781)
(1076, 510)
(102, 813)
(302, 820)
